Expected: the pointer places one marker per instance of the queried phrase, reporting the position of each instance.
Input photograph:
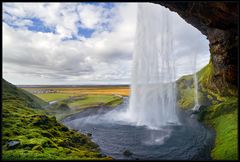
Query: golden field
(65, 92)
(123, 90)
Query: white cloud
(42, 58)
(90, 15)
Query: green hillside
(29, 134)
(11, 92)
(218, 110)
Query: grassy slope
(53, 96)
(71, 103)
(221, 114)
(186, 93)
(66, 108)
(11, 92)
(93, 99)
(40, 135)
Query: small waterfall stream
(195, 80)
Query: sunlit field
(64, 101)
(64, 93)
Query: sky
(83, 43)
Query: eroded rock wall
(219, 22)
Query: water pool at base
(189, 141)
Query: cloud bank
(82, 43)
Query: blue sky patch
(109, 5)
(87, 33)
(39, 26)
(104, 4)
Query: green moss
(223, 118)
(41, 137)
(186, 95)
(226, 145)
(210, 82)
(221, 114)
(205, 75)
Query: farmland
(71, 100)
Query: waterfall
(153, 87)
(196, 106)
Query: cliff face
(219, 22)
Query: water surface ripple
(189, 141)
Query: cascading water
(196, 106)
(152, 103)
(153, 89)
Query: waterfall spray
(153, 87)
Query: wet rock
(127, 153)
(194, 112)
(89, 134)
(64, 128)
(13, 144)
(100, 155)
(193, 116)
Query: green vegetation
(212, 84)
(93, 100)
(72, 103)
(30, 134)
(223, 118)
(205, 74)
(226, 139)
(53, 96)
(221, 115)
(186, 94)
(11, 92)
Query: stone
(89, 134)
(127, 153)
(13, 144)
